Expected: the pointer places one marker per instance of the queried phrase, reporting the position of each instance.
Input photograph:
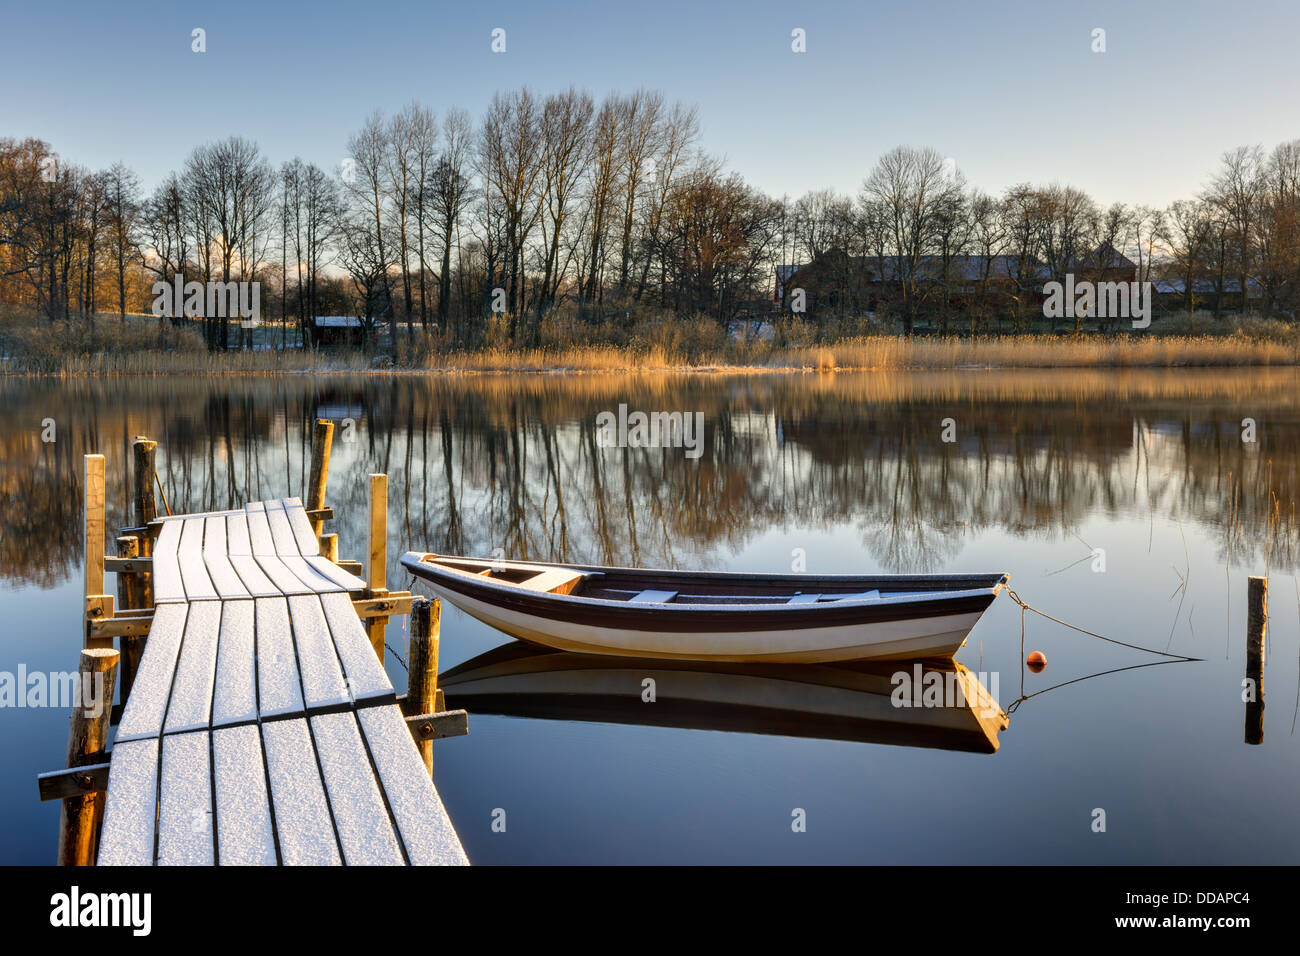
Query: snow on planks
(261, 728)
(166, 568)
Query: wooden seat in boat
(653, 597)
(814, 598)
(554, 581)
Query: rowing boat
(715, 615)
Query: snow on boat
(715, 616)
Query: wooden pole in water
(128, 595)
(146, 510)
(80, 818)
(1256, 625)
(422, 687)
(146, 501)
(377, 557)
(322, 440)
(98, 605)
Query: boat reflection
(856, 702)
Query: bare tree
(122, 192)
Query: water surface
(1127, 503)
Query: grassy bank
(106, 348)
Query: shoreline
(1064, 353)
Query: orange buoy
(1037, 660)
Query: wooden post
(98, 604)
(422, 686)
(81, 815)
(329, 546)
(146, 502)
(322, 440)
(377, 557)
(1256, 625)
(128, 595)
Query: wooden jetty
(257, 724)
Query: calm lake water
(1126, 503)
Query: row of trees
(560, 201)
(917, 221)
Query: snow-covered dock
(258, 725)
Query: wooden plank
(309, 545)
(254, 578)
(287, 549)
(326, 567)
(224, 577)
(185, 801)
(364, 674)
(279, 692)
(322, 678)
(234, 699)
(244, 832)
(191, 699)
(147, 705)
(438, 725)
(259, 529)
(308, 575)
(127, 836)
(237, 539)
(163, 519)
(385, 606)
(308, 542)
(194, 572)
(285, 581)
(240, 550)
(263, 549)
(167, 584)
(302, 814)
(72, 781)
(559, 580)
(282, 536)
(360, 816)
(422, 821)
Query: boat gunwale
(654, 615)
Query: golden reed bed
(867, 353)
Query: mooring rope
(158, 481)
(1137, 647)
(1025, 606)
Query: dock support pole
(128, 595)
(1256, 625)
(322, 440)
(98, 604)
(422, 687)
(80, 818)
(146, 510)
(146, 501)
(377, 558)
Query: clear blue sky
(1011, 90)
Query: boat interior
(634, 586)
